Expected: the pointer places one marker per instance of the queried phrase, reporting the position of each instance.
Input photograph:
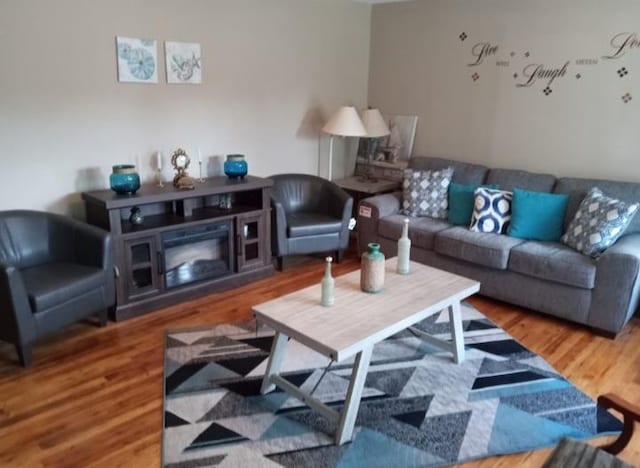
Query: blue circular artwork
(124, 50)
(141, 64)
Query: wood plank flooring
(94, 395)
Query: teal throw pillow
(537, 215)
(461, 199)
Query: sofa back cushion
(578, 188)
(463, 173)
(509, 179)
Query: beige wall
(418, 65)
(272, 71)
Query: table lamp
(346, 123)
(376, 127)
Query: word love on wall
(531, 72)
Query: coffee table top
(357, 318)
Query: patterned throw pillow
(598, 223)
(425, 192)
(491, 211)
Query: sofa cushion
(553, 261)
(491, 211)
(598, 223)
(577, 189)
(463, 173)
(311, 224)
(422, 231)
(509, 179)
(51, 284)
(424, 193)
(461, 202)
(491, 250)
(537, 215)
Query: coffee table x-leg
(346, 418)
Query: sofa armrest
(370, 211)
(617, 285)
(16, 320)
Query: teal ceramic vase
(124, 179)
(372, 269)
(235, 167)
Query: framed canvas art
(137, 60)
(183, 62)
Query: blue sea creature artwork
(137, 60)
(184, 63)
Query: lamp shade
(345, 122)
(374, 124)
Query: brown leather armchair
(309, 214)
(54, 270)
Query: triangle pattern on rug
(172, 342)
(171, 420)
(181, 375)
(205, 377)
(215, 434)
(233, 405)
(252, 426)
(389, 381)
(262, 342)
(381, 451)
(415, 418)
(536, 431)
(242, 365)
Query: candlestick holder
(201, 180)
(159, 178)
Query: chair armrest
(90, 245)
(16, 319)
(337, 201)
(370, 211)
(278, 228)
(631, 414)
(617, 285)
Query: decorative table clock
(180, 161)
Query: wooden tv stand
(141, 280)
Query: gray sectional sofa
(548, 277)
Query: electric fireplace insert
(196, 253)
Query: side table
(360, 189)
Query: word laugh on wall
(532, 72)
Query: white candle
(159, 160)
(199, 155)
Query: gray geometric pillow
(425, 193)
(598, 223)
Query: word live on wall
(535, 73)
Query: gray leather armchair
(54, 270)
(309, 214)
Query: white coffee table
(356, 322)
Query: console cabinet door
(251, 236)
(143, 267)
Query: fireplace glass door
(196, 253)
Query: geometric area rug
(418, 407)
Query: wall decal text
(622, 43)
(534, 71)
(481, 51)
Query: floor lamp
(346, 123)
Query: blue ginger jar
(124, 179)
(235, 167)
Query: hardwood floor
(94, 395)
